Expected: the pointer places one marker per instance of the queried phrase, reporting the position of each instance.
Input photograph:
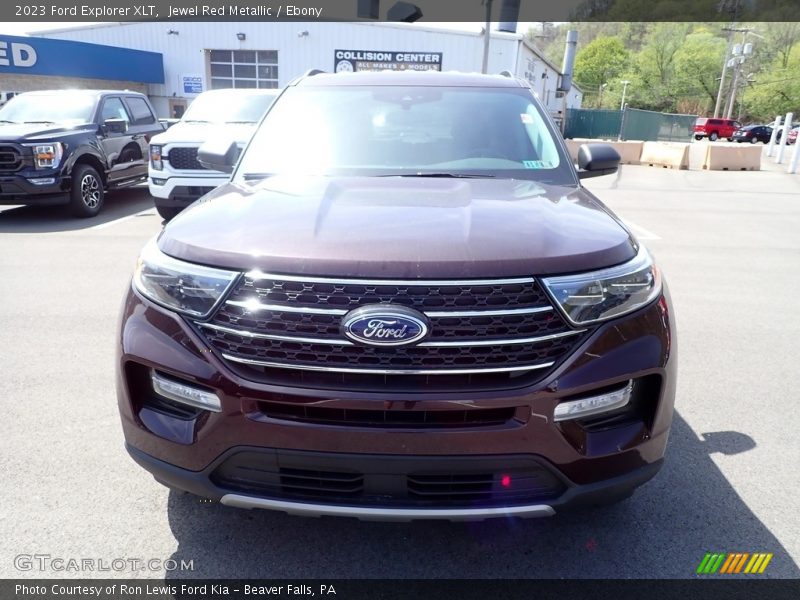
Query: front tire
(753, 140)
(167, 212)
(87, 194)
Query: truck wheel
(87, 195)
(714, 136)
(167, 212)
(698, 137)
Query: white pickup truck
(175, 178)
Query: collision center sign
(369, 60)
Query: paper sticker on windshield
(526, 118)
(535, 164)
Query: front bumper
(179, 191)
(587, 465)
(18, 189)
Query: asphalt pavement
(729, 246)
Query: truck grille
(10, 158)
(484, 333)
(184, 158)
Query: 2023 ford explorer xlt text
(403, 305)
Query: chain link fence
(628, 124)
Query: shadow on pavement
(53, 219)
(663, 531)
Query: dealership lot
(729, 245)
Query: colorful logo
(734, 562)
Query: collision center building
(172, 62)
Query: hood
(200, 132)
(21, 132)
(399, 228)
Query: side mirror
(115, 125)
(595, 160)
(218, 154)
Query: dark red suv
(714, 129)
(404, 305)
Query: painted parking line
(641, 232)
(146, 212)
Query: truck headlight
(181, 286)
(47, 156)
(155, 157)
(607, 293)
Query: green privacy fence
(652, 126)
(630, 124)
(592, 123)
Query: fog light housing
(593, 405)
(185, 394)
(42, 180)
(157, 181)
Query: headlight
(47, 156)
(184, 287)
(155, 157)
(608, 293)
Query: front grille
(184, 158)
(380, 480)
(10, 159)
(406, 419)
(483, 333)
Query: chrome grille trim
(337, 342)
(300, 367)
(258, 275)
(433, 314)
(281, 308)
(442, 314)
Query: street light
(624, 89)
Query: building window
(243, 68)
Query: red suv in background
(715, 128)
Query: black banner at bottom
(734, 588)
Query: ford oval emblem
(385, 325)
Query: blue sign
(45, 56)
(192, 84)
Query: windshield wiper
(37, 122)
(453, 175)
(195, 121)
(241, 121)
(4, 121)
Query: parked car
(753, 134)
(404, 305)
(176, 179)
(70, 146)
(714, 129)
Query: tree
(599, 62)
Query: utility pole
(624, 89)
(600, 95)
(724, 69)
(487, 36)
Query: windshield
(388, 130)
(68, 109)
(228, 107)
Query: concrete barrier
(672, 155)
(732, 157)
(630, 152)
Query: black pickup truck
(70, 146)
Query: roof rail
(309, 73)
